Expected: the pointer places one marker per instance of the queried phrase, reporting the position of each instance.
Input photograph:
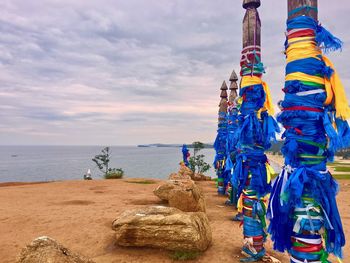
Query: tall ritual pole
(303, 211)
(257, 128)
(220, 141)
(231, 145)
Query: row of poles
(300, 203)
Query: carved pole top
(233, 76)
(251, 3)
(224, 86)
(233, 85)
(223, 94)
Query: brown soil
(79, 214)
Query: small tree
(196, 162)
(102, 162)
(197, 146)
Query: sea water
(52, 163)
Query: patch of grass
(336, 164)
(342, 169)
(341, 176)
(184, 255)
(141, 182)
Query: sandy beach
(79, 214)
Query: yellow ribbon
(302, 50)
(305, 77)
(240, 204)
(335, 91)
(253, 80)
(305, 47)
(270, 172)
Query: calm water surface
(49, 163)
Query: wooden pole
(221, 138)
(251, 24)
(251, 53)
(294, 4)
(233, 87)
(223, 96)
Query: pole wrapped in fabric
(231, 143)
(185, 154)
(220, 141)
(252, 173)
(304, 218)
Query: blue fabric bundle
(254, 137)
(185, 154)
(310, 66)
(231, 143)
(252, 162)
(324, 38)
(220, 149)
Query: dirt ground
(79, 214)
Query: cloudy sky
(124, 72)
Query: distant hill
(159, 145)
(275, 147)
(206, 145)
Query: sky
(127, 72)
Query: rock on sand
(46, 250)
(182, 194)
(163, 227)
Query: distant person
(87, 176)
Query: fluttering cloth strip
(252, 173)
(220, 149)
(302, 208)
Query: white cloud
(128, 72)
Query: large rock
(182, 194)
(200, 177)
(177, 176)
(163, 227)
(186, 173)
(47, 250)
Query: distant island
(275, 148)
(206, 145)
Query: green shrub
(116, 173)
(196, 162)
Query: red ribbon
(302, 108)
